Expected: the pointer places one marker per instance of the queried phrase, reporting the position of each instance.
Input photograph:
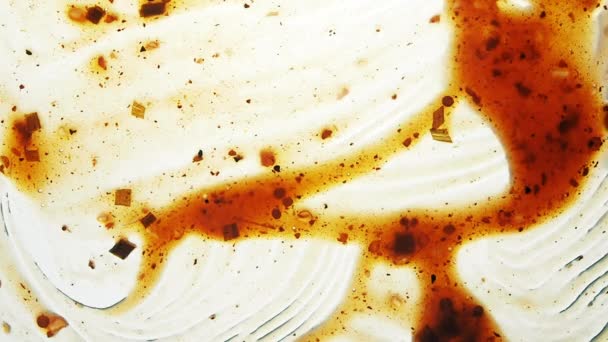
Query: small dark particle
(438, 117)
(567, 123)
(433, 278)
(594, 143)
(449, 229)
(279, 193)
(407, 142)
(435, 19)
(492, 43)
(447, 101)
(375, 247)
(32, 122)
(28, 52)
(287, 202)
(276, 213)
(198, 156)
(32, 155)
(230, 231)
(110, 18)
(476, 98)
(95, 13)
(147, 220)
(326, 133)
(122, 248)
(43, 320)
(478, 311)
(102, 63)
(123, 197)
(267, 158)
(522, 89)
(404, 243)
(404, 221)
(150, 9)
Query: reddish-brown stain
(267, 157)
(51, 323)
(550, 123)
(326, 133)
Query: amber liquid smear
(530, 74)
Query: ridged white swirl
(292, 65)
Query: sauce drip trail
(529, 73)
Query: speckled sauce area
(219, 170)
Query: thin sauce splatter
(529, 74)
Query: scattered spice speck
(198, 156)
(51, 322)
(77, 14)
(343, 93)
(123, 197)
(267, 158)
(326, 133)
(147, 220)
(102, 63)
(138, 110)
(6, 328)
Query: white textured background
(292, 66)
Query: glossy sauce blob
(530, 73)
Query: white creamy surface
(292, 66)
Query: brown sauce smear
(530, 75)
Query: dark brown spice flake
(122, 248)
(122, 197)
(32, 155)
(32, 122)
(198, 156)
(150, 9)
(267, 158)
(230, 231)
(94, 14)
(147, 220)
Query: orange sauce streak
(531, 76)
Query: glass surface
(242, 171)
